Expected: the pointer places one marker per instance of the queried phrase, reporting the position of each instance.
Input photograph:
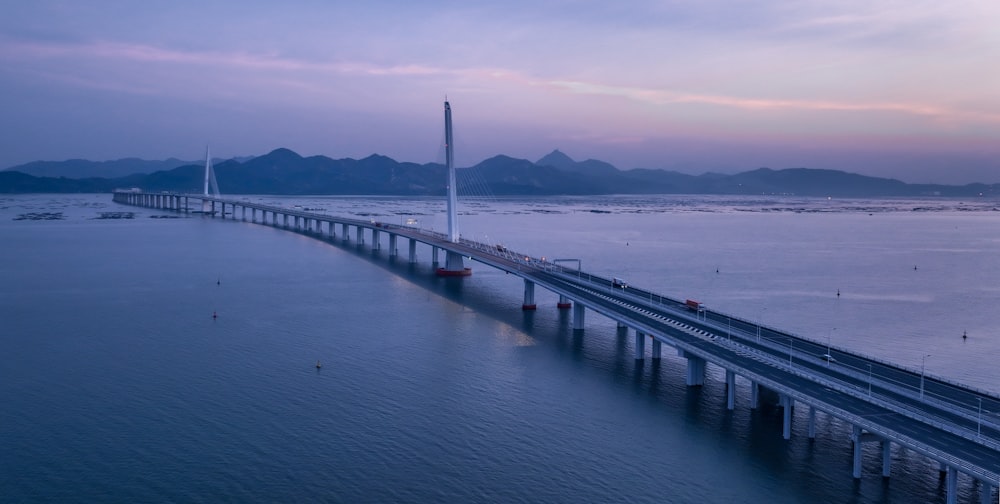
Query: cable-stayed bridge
(953, 424)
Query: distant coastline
(283, 171)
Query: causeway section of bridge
(885, 403)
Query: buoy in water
(965, 335)
(215, 315)
(318, 365)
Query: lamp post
(869, 379)
(923, 361)
(760, 317)
(829, 356)
(979, 424)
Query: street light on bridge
(923, 361)
(829, 356)
(760, 318)
(869, 379)
(979, 423)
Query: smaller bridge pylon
(211, 187)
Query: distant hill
(82, 168)
(283, 171)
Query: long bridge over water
(885, 403)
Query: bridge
(885, 403)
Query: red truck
(694, 305)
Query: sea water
(158, 359)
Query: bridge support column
(986, 492)
(454, 265)
(244, 214)
(730, 390)
(187, 209)
(392, 245)
(413, 251)
(812, 422)
(563, 302)
(213, 209)
(578, 311)
(951, 485)
(376, 243)
(786, 424)
(856, 437)
(754, 395)
(434, 255)
(529, 295)
(657, 348)
(621, 325)
(695, 369)
(640, 345)
(284, 220)
(886, 458)
(360, 238)
(253, 215)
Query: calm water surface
(119, 386)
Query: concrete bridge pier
(392, 245)
(986, 492)
(284, 220)
(754, 395)
(360, 236)
(640, 345)
(434, 255)
(253, 215)
(563, 303)
(812, 422)
(860, 437)
(578, 311)
(213, 209)
(244, 214)
(886, 458)
(529, 295)
(657, 348)
(343, 232)
(376, 243)
(413, 251)
(786, 402)
(730, 390)
(695, 369)
(951, 485)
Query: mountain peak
(557, 159)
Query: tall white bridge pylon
(453, 262)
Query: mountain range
(283, 171)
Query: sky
(903, 89)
